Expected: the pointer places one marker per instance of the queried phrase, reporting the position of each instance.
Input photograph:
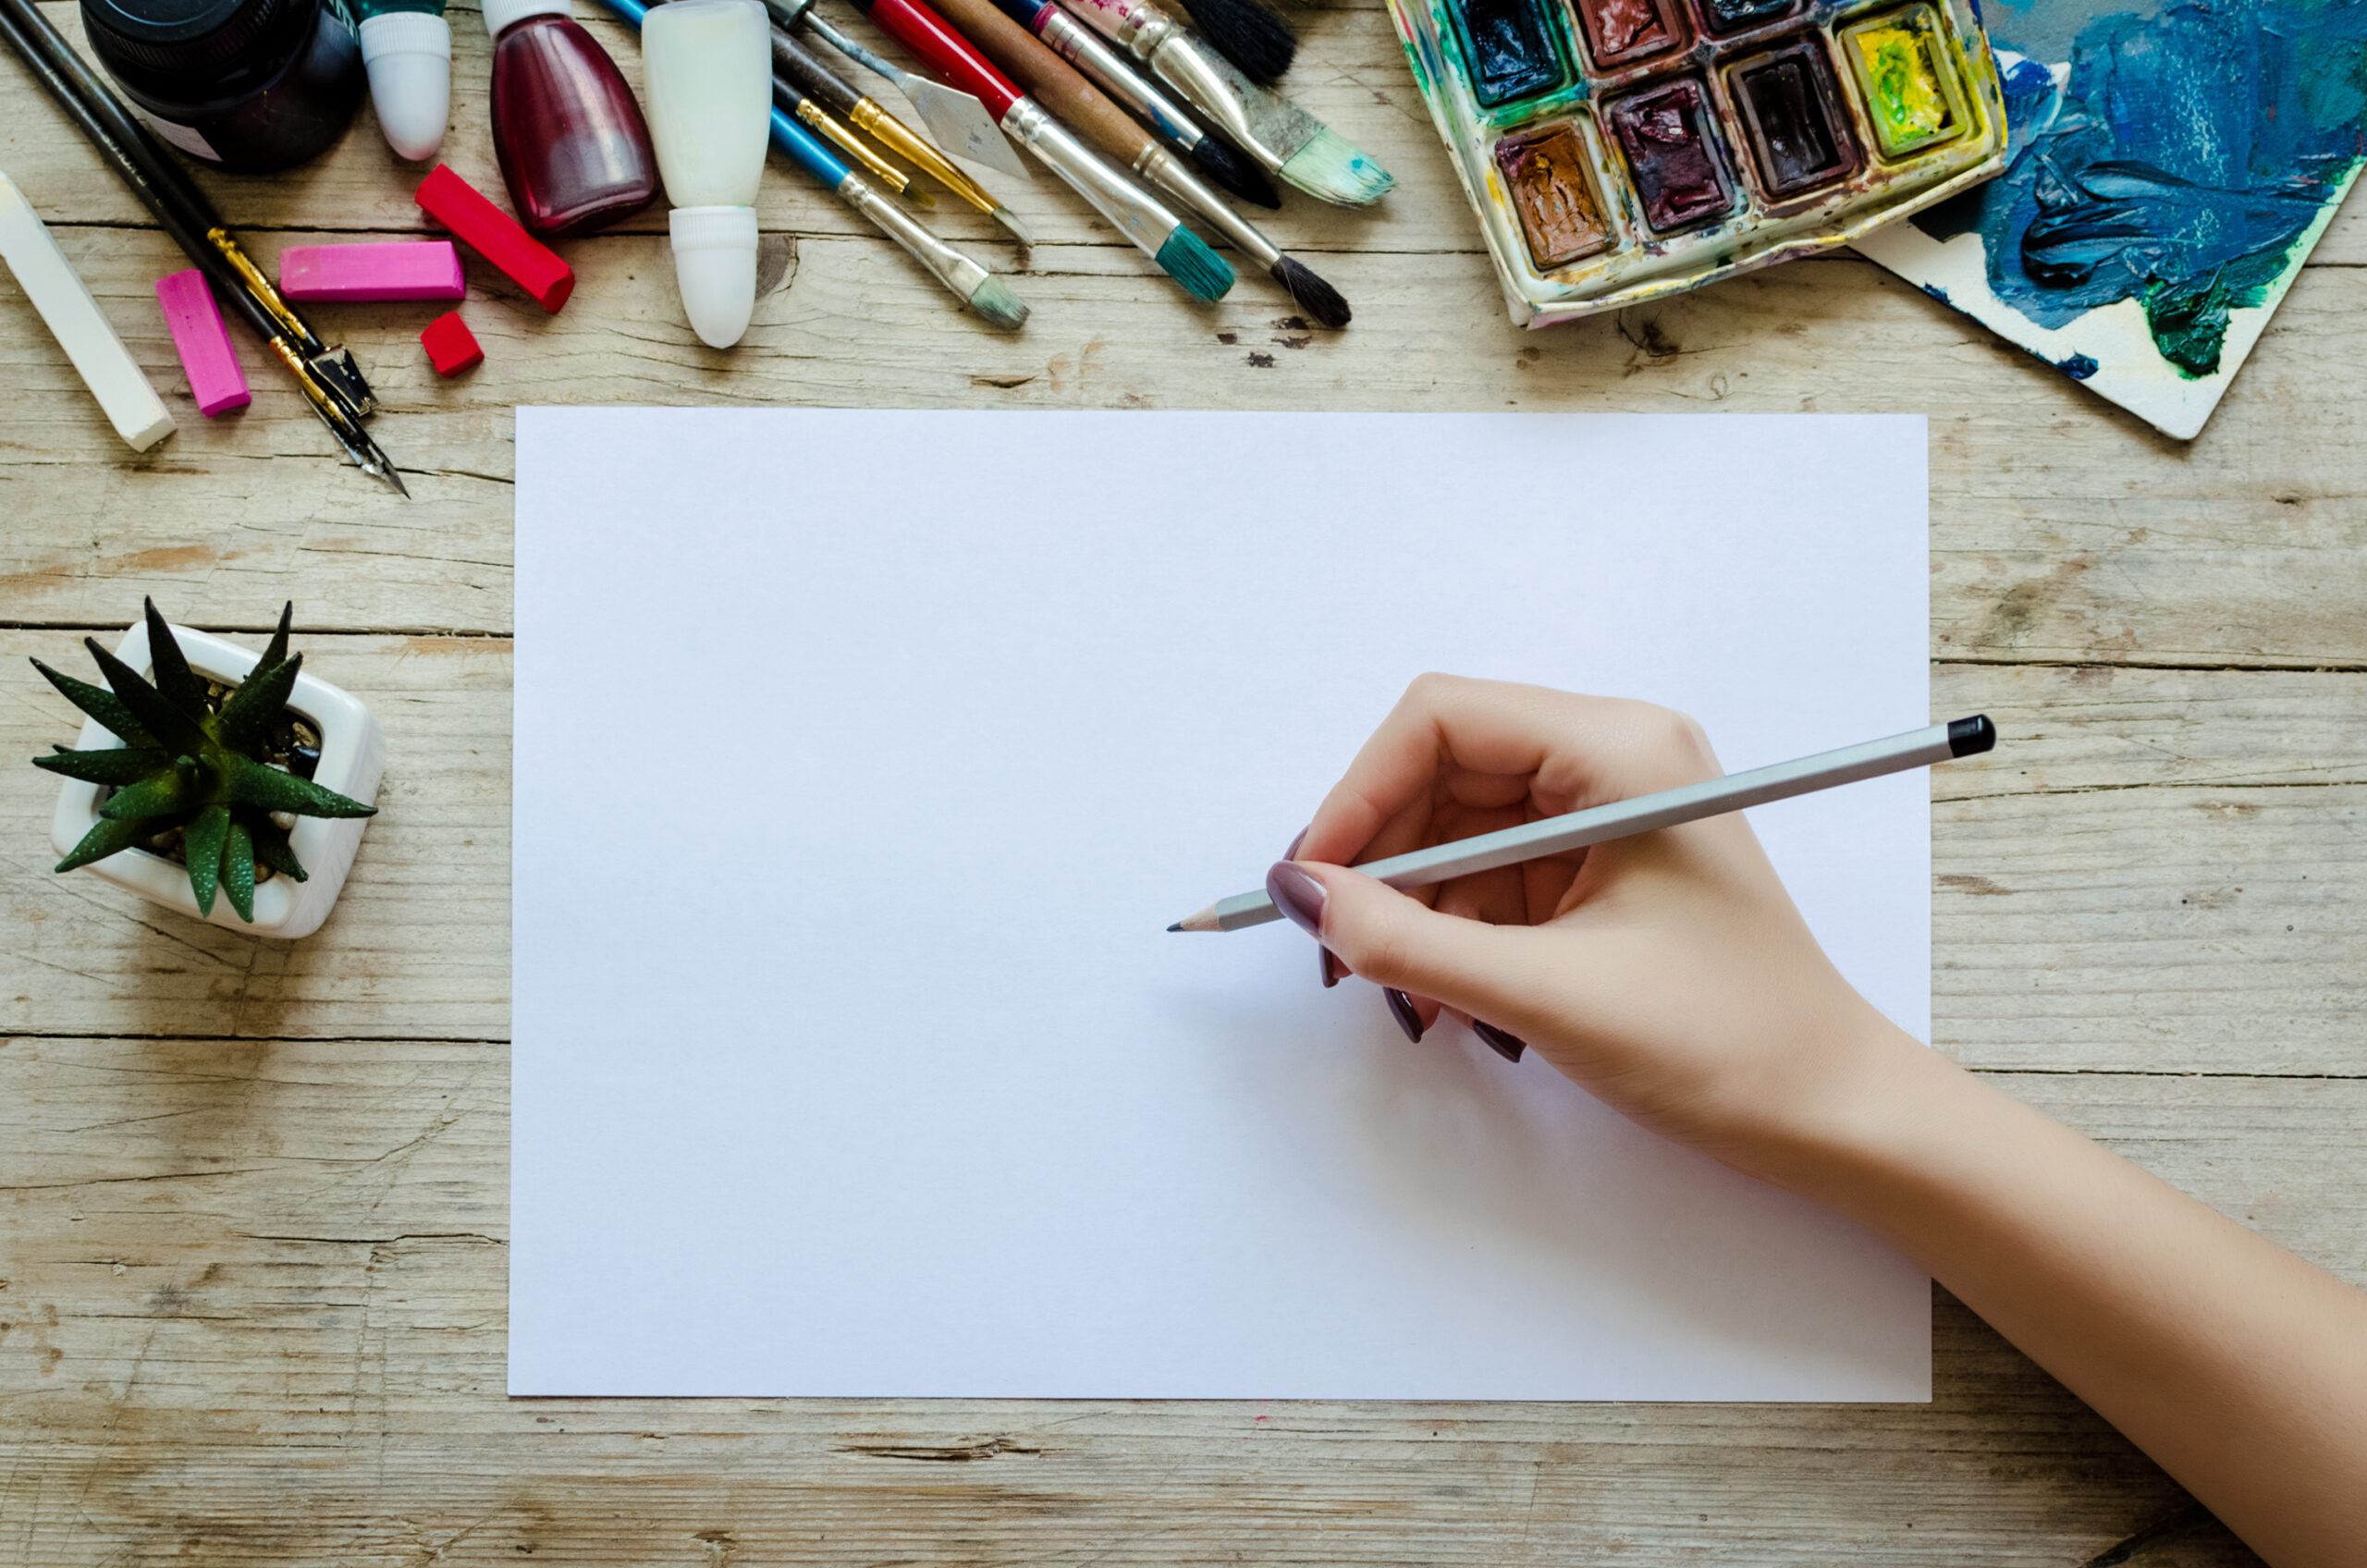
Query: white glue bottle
(706, 70)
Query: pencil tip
(1177, 927)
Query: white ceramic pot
(353, 753)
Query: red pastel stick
(495, 236)
(951, 55)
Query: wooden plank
(2133, 881)
(254, 1311)
(2060, 531)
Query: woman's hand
(1671, 976)
(1668, 973)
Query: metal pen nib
(342, 424)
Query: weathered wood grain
(253, 1311)
(2156, 870)
(252, 1222)
(2061, 532)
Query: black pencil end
(1967, 736)
(1177, 927)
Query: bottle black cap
(1967, 736)
(179, 35)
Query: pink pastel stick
(216, 378)
(403, 269)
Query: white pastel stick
(63, 300)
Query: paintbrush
(1102, 66)
(1248, 34)
(956, 119)
(1270, 129)
(970, 283)
(1139, 215)
(1058, 85)
(842, 136)
(331, 382)
(811, 75)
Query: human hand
(1669, 973)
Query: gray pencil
(1621, 819)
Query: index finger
(1574, 750)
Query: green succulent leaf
(178, 684)
(116, 764)
(238, 868)
(159, 795)
(100, 703)
(273, 849)
(105, 838)
(250, 783)
(278, 649)
(247, 717)
(203, 847)
(164, 722)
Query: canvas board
(863, 758)
(2170, 168)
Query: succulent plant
(193, 757)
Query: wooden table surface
(253, 1210)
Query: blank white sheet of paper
(863, 759)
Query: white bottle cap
(409, 55)
(502, 15)
(715, 267)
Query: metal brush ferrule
(1171, 173)
(1139, 29)
(1139, 215)
(954, 269)
(1107, 70)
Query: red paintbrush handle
(947, 52)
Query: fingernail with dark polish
(1401, 1008)
(1509, 1047)
(1330, 967)
(1297, 894)
(1292, 854)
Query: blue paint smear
(2078, 367)
(2192, 146)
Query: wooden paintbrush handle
(1050, 80)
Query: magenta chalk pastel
(411, 269)
(216, 378)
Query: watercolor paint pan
(1621, 150)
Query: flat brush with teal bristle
(1139, 215)
(1016, 48)
(1270, 129)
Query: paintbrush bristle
(1331, 168)
(1248, 34)
(994, 300)
(1236, 173)
(1019, 231)
(1312, 294)
(1187, 259)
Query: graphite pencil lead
(1177, 927)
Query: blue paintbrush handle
(787, 135)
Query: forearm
(2241, 1369)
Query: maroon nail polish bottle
(574, 150)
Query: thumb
(1395, 940)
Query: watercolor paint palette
(1619, 150)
